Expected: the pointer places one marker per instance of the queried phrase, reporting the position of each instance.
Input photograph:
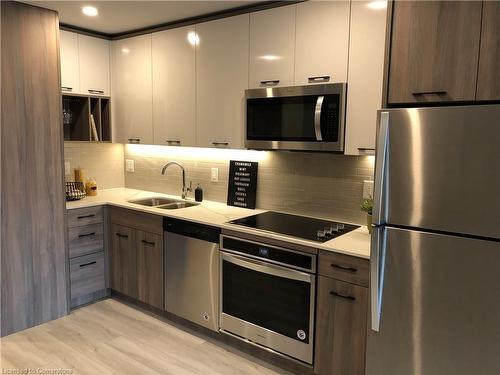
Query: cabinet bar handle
(96, 91)
(88, 264)
(148, 243)
(338, 295)
(319, 78)
(436, 92)
(85, 216)
(220, 143)
(86, 235)
(270, 82)
(121, 235)
(66, 88)
(134, 140)
(176, 142)
(344, 268)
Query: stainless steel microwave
(307, 118)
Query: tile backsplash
(104, 161)
(316, 184)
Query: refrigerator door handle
(380, 170)
(377, 262)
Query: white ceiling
(120, 16)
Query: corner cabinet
(174, 87)
(136, 258)
(272, 47)
(221, 80)
(365, 77)
(341, 314)
(434, 51)
(322, 42)
(131, 84)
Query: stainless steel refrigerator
(435, 265)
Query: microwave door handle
(317, 117)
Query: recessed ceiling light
(377, 4)
(125, 50)
(89, 11)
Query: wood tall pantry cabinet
(444, 51)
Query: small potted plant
(367, 206)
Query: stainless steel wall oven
(268, 295)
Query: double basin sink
(164, 203)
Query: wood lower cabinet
(149, 248)
(123, 260)
(136, 256)
(434, 51)
(340, 328)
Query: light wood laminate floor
(110, 337)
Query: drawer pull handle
(86, 235)
(96, 91)
(122, 235)
(338, 295)
(436, 92)
(148, 243)
(134, 140)
(220, 143)
(85, 216)
(270, 82)
(66, 88)
(170, 142)
(344, 268)
(88, 264)
(319, 78)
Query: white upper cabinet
(221, 80)
(70, 76)
(366, 70)
(131, 89)
(322, 42)
(272, 45)
(174, 87)
(94, 65)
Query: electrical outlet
(367, 189)
(129, 165)
(67, 168)
(214, 176)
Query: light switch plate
(129, 165)
(214, 175)
(367, 189)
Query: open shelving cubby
(77, 112)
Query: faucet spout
(184, 188)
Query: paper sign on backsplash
(242, 189)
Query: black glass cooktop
(303, 227)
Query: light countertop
(355, 243)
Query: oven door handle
(268, 268)
(317, 117)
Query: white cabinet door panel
(174, 87)
(322, 42)
(131, 89)
(70, 76)
(94, 65)
(221, 80)
(272, 44)
(366, 70)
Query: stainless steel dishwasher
(192, 271)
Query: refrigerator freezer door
(442, 169)
(441, 306)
